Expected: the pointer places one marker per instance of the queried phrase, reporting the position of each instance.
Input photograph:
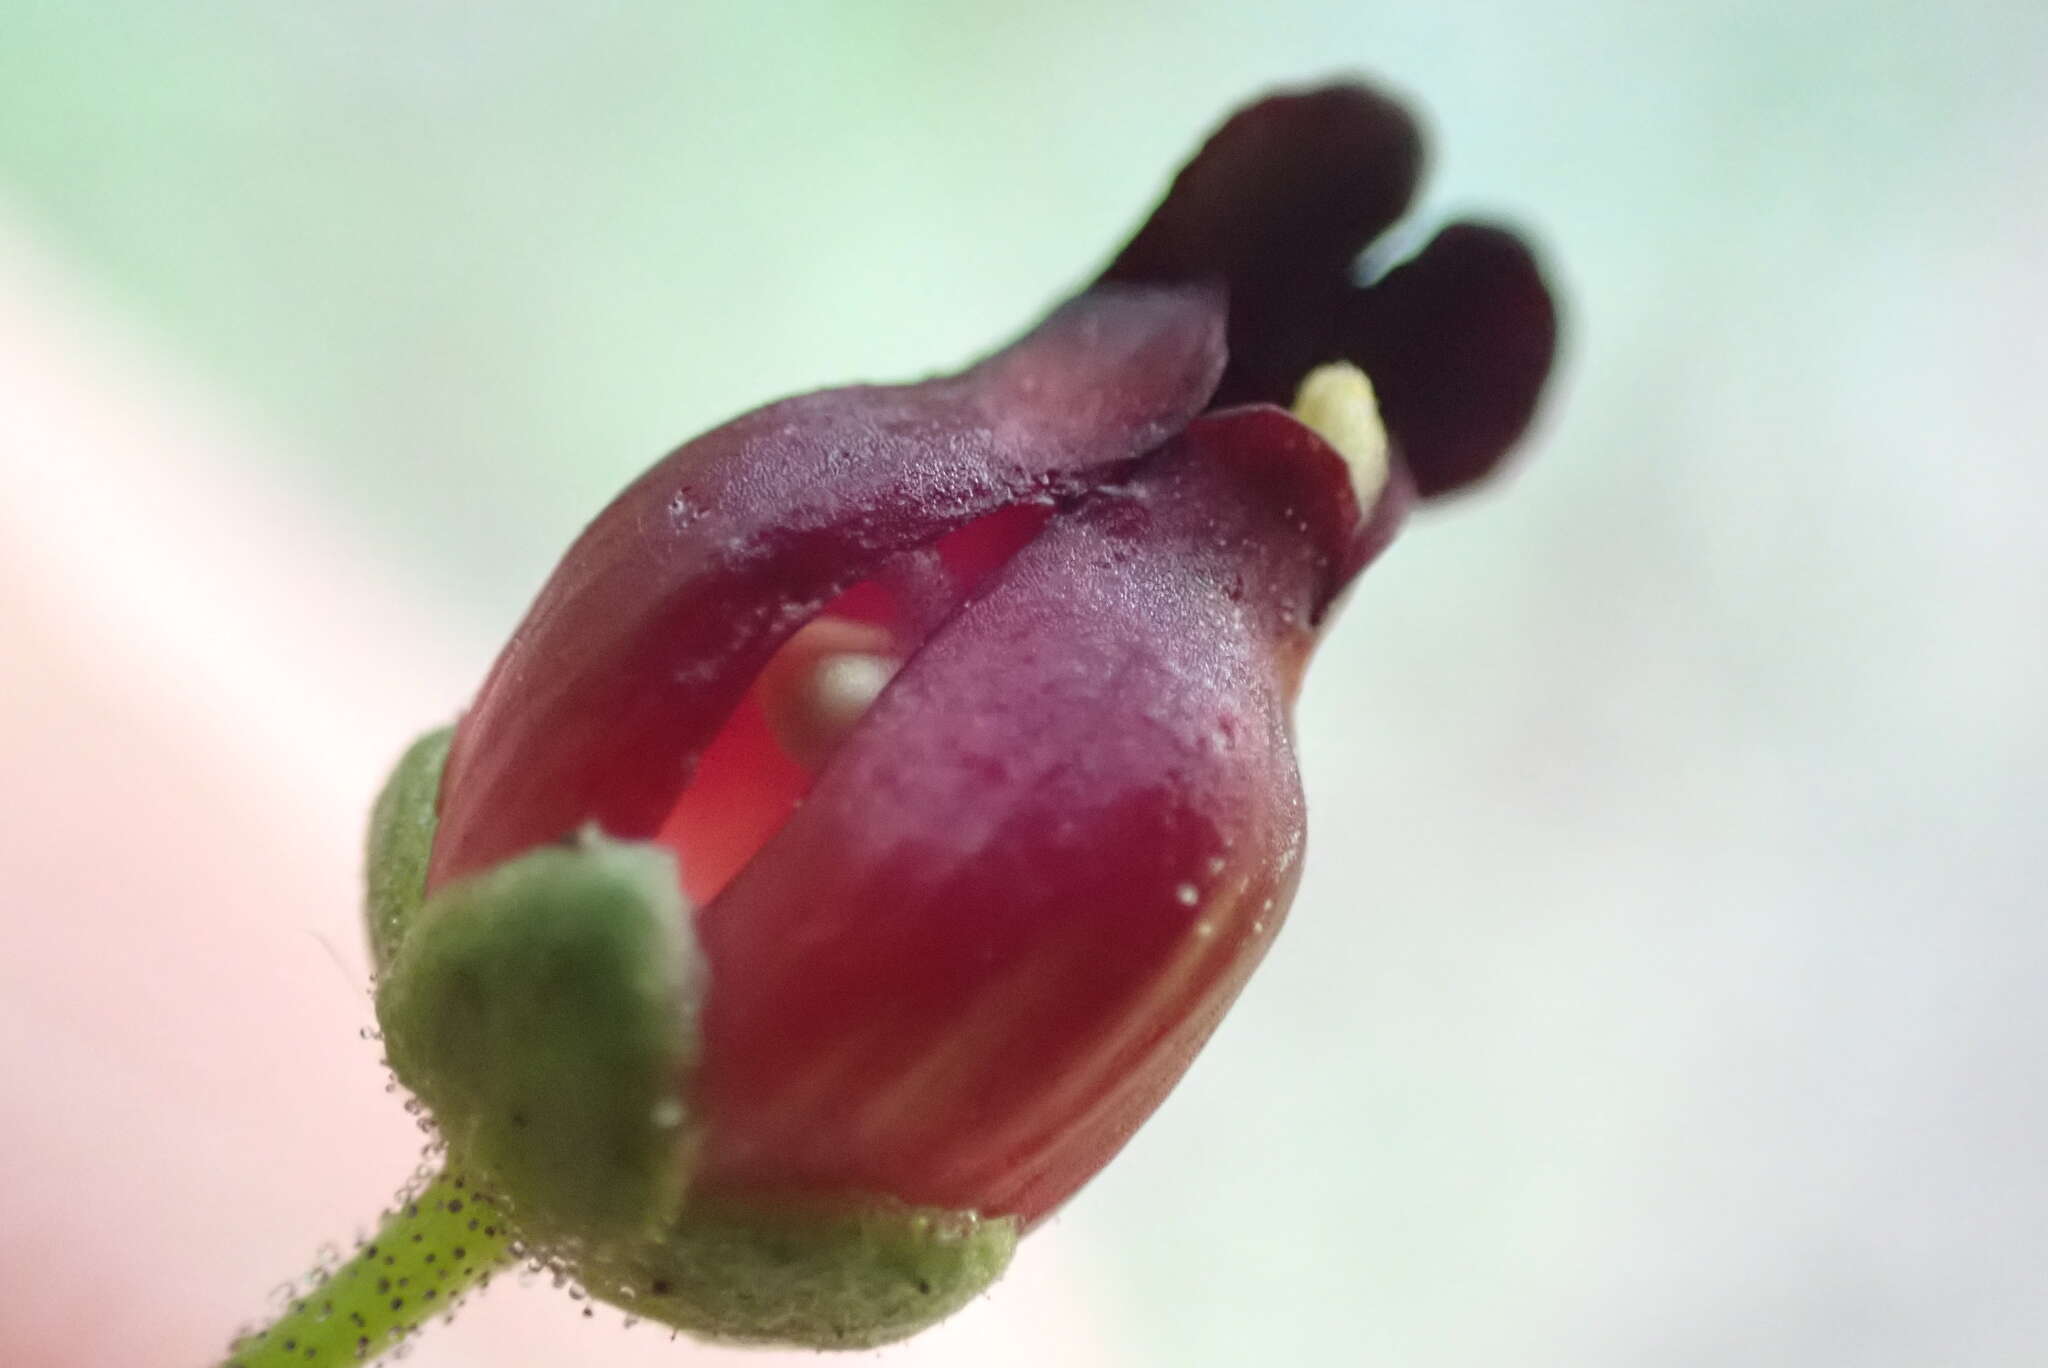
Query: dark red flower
(965, 705)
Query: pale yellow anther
(1337, 401)
(842, 687)
(822, 682)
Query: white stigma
(1336, 401)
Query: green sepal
(401, 841)
(545, 1011)
(797, 1272)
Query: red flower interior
(747, 782)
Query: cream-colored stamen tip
(844, 686)
(1337, 401)
(821, 682)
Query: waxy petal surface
(1022, 893)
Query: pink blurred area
(204, 683)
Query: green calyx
(824, 1276)
(545, 1011)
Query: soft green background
(1664, 989)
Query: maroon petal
(1458, 342)
(1278, 204)
(1025, 888)
(673, 600)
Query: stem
(440, 1243)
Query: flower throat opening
(764, 759)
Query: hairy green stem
(441, 1242)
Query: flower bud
(891, 789)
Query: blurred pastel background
(1668, 983)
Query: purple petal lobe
(1458, 342)
(1278, 204)
(1294, 184)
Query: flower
(961, 711)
